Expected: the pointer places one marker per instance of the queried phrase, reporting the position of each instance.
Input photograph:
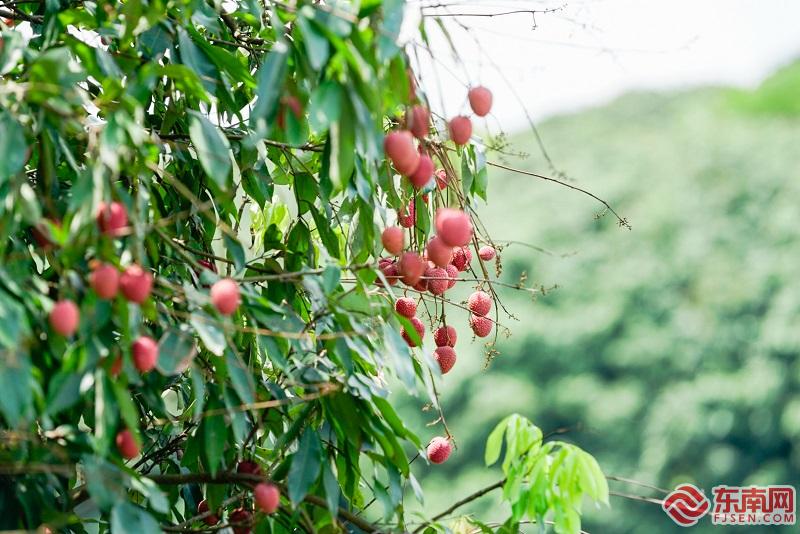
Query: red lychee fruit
(437, 280)
(241, 520)
(439, 252)
(453, 226)
(291, 103)
(406, 307)
(406, 217)
(126, 444)
(418, 120)
(439, 450)
(479, 303)
(460, 129)
(442, 179)
(41, 233)
(462, 257)
(486, 253)
(208, 264)
(411, 268)
(105, 281)
(446, 357)
(393, 241)
(452, 274)
(116, 367)
(202, 508)
(145, 353)
(225, 296)
(421, 286)
(267, 497)
(64, 317)
(390, 272)
(445, 336)
(248, 467)
(112, 219)
(419, 327)
(136, 284)
(422, 176)
(480, 100)
(481, 326)
(399, 147)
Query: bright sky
(590, 51)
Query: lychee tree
(219, 224)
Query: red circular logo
(686, 505)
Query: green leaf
(241, 378)
(176, 350)
(325, 105)
(306, 463)
(210, 334)
(270, 83)
(127, 518)
(317, 46)
(495, 442)
(12, 147)
(64, 392)
(215, 435)
(235, 251)
(212, 148)
(105, 482)
(15, 383)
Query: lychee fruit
(486, 253)
(437, 280)
(406, 307)
(241, 520)
(419, 327)
(480, 100)
(64, 317)
(422, 285)
(460, 129)
(418, 120)
(439, 450)
(225, 296)
(248, 467)
(145, 353)
(399, 147)
(136, 284)
(481, 326)
(445, 336)
(267, 497)
(462, 257)
(208, 264)
(479, 303)
(202, 508)
(105, 281)
(116, 367)
(446, 357)
(453, 226)
(390, 272)
(452, 274)
(411, 268)
(291, 103)
(112, 219)
(406, 217)
(439, 252)
(422, 176)
(41, 233)
(126, 444)
(442, 179)
(392, 239)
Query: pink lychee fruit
(399, 147)
(64, 317)
(136, 284)
(419, 327)
(145, 353)
(105, 281)
(392, 239)
(406, 307)
(202, 508)
(437, 280)
(479, 303)
(480, 100)
(487, 253)
(126, 444)
(442, 179)
(418, 120)
(445, 336)
(462, 257)
(267, 497)
(411, 268)
(422, 176)
(112, 219)
(439, 252)
(460, 129)
(453, 226)
(481, 326)
(439, 450)
(390, 272)
(406, 217)
(225, 296)
(241, 520)
(446, 357)
(452, 274)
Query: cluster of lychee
(266, 497)
(135, 284)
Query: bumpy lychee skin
(391, 274)
(136, 284)
(481, 326)
(399, 147)
(422, 176)
(411, 268)
(445, 336)
(439, 450)
(105, 281)
(437, 280)
(487, 253)
(480, 100)
(406, 307)
(267, 497)
(439, 252)
(225, 296)
(418, 120)
(242, 519)
(126, 444)
(460, 129)
(462, 257)
(453, 226)
(202, 508)
(419, 327)
(64, 317)
(112, 219)
(248, 467)
(479, 303)
(393, 240)
(145, 354)
(452, 274)
(446, 357)
(442, 179)
(406, 217)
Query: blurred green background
(670, 352)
